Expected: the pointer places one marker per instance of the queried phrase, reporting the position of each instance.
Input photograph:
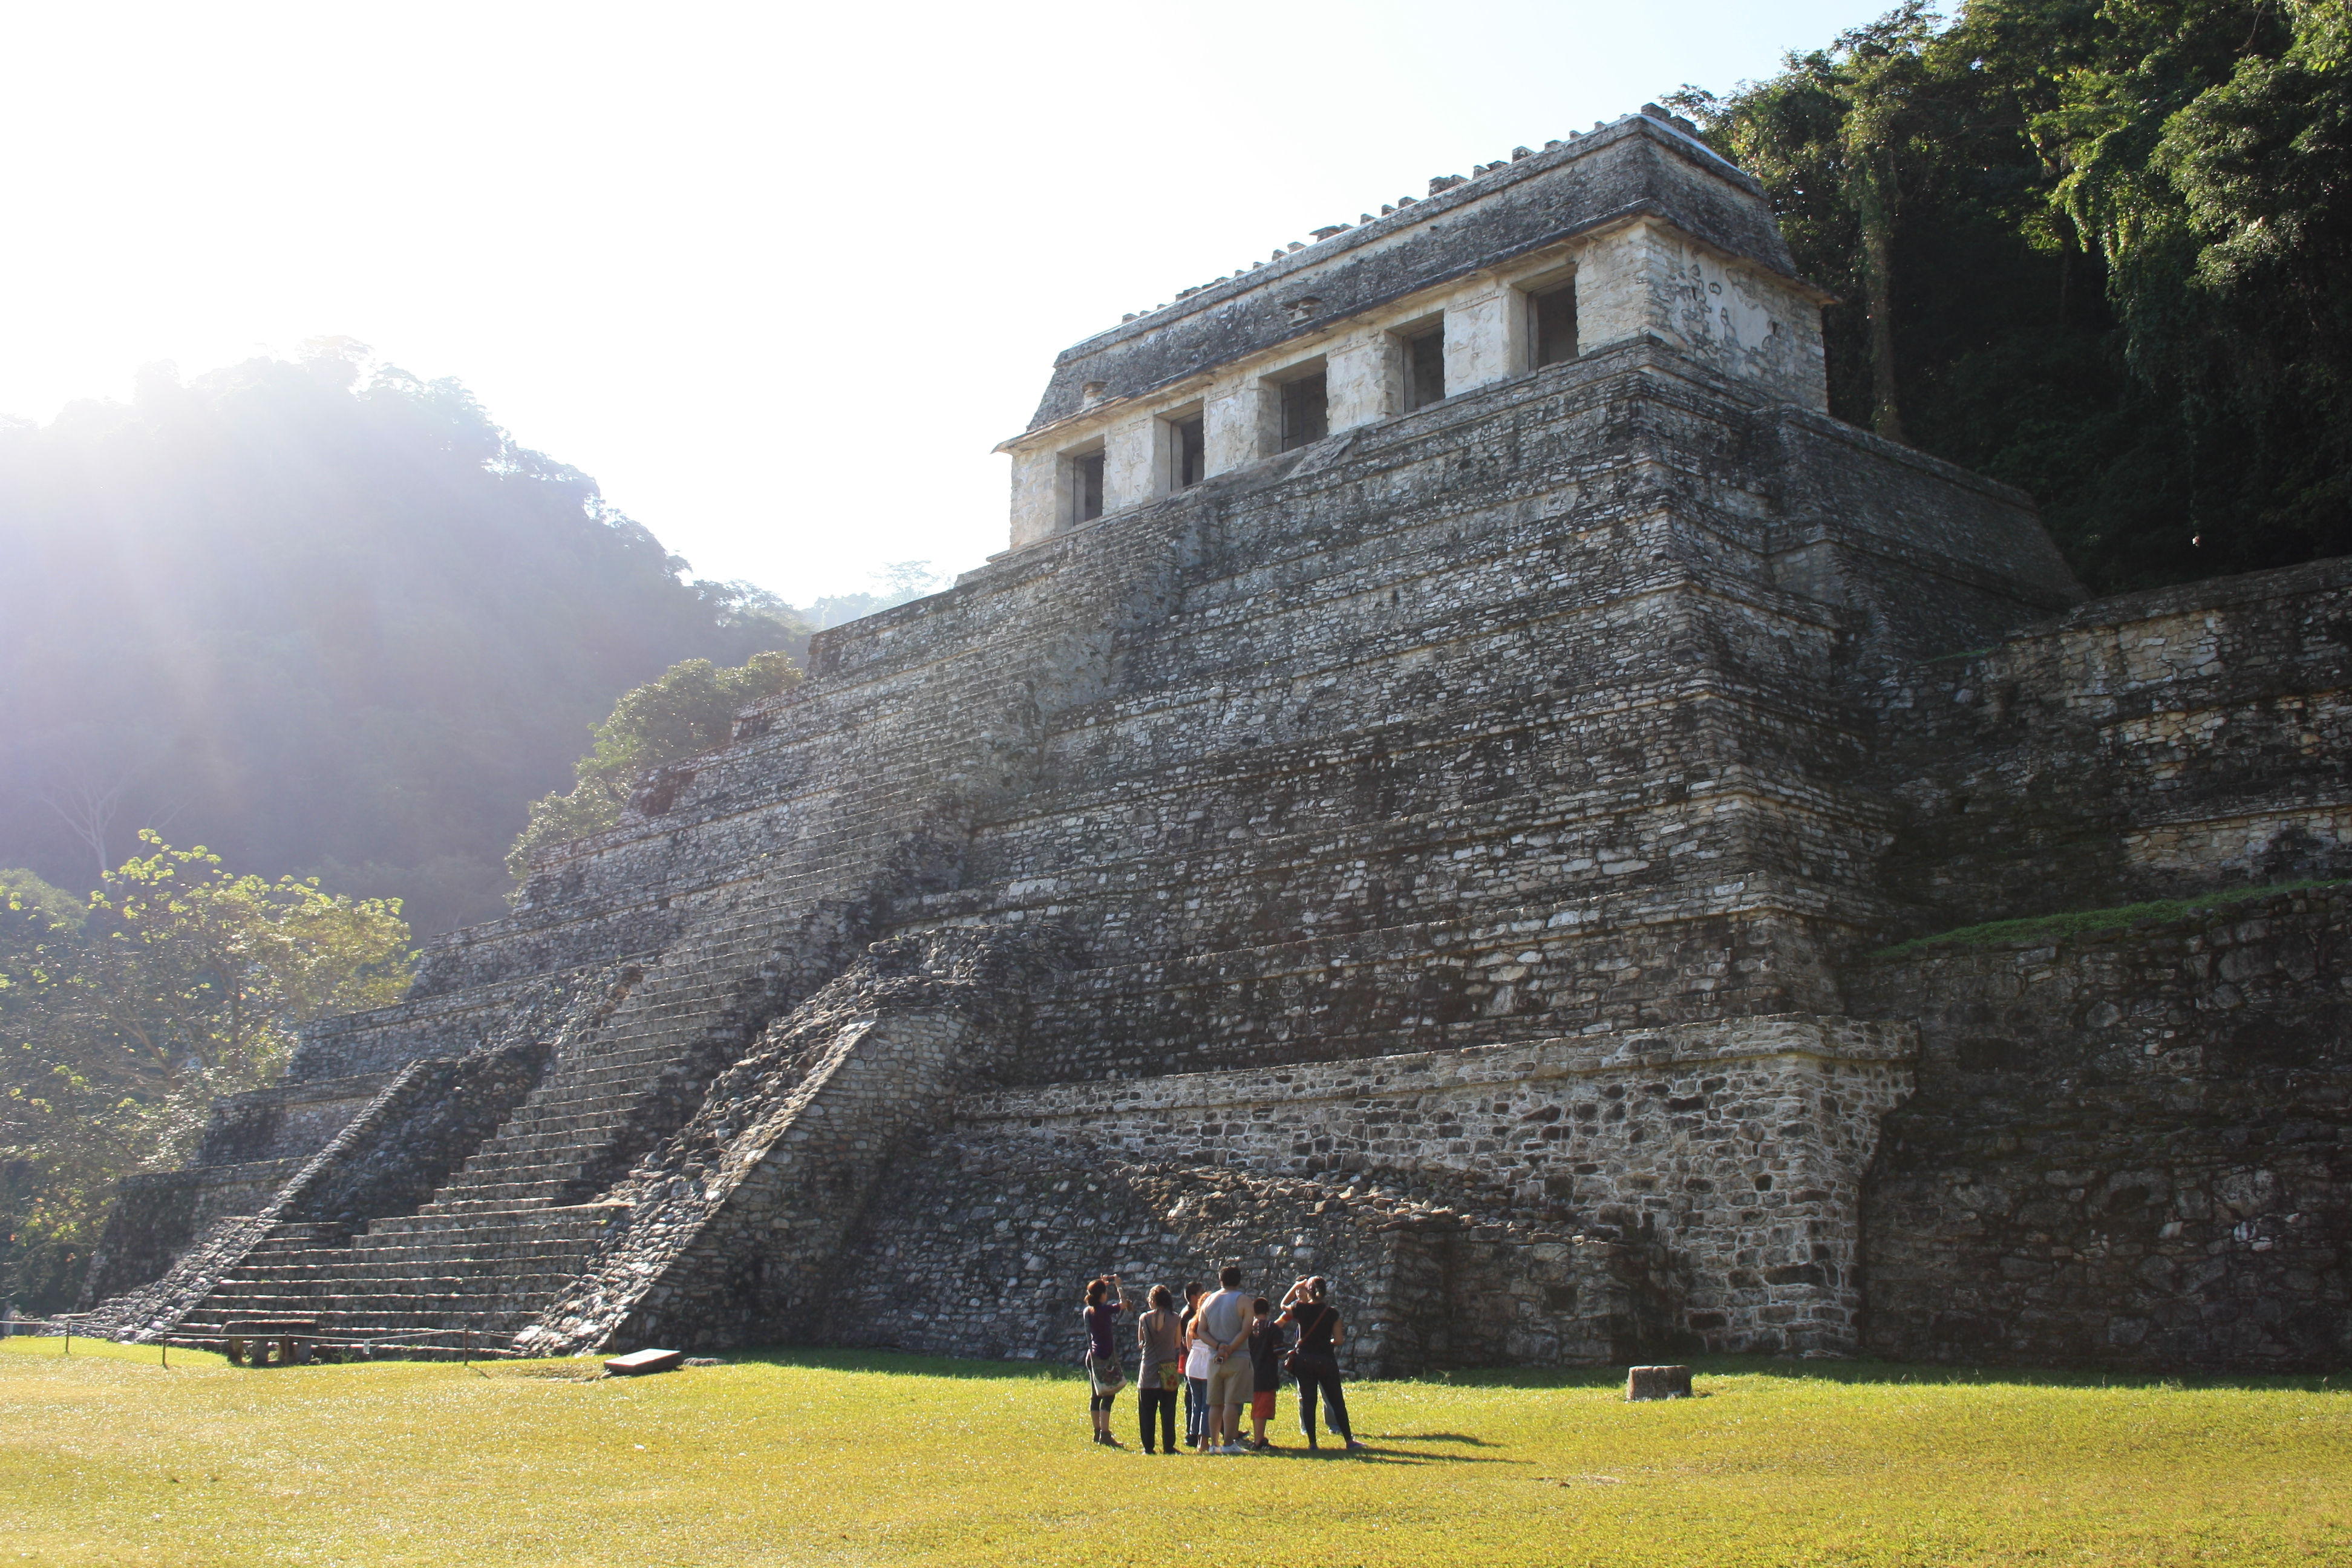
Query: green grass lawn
(817, 1456)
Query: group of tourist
(1224, 1350)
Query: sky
(780, 277)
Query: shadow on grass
(1383, 1450)
(1868, 1372)
(903, 1363)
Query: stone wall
(991, 1239)
(727, 1233)
(1742, 1144)
(158, 1216)
(1635, 167)
(2151, 745)
(2131, 1147)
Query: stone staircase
(508, 1231)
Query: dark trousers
(1196, 1407)
(1163, 1400)
(1325, 1380)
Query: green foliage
(122, 1020)
(689, 710)
(2081, 922)
(33, 908)
(2086, 246)
(324, 615)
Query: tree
(2085, 246)
(689, 710)
(177, 981)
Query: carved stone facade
(1415, 805)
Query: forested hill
(322, 620)
(2093, 247)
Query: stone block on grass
(1657, 1382)
(637, 1362)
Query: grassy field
(803, 1457)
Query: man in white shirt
(1224, 1325)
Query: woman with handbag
(1315, 1360)
(1159, 1372)
(1105, 1302)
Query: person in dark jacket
(1105, 1302)
(1306, 1308)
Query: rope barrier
(69, 1325)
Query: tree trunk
(1875, 202)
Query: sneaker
(1354, 1446)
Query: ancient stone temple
(1427, 798)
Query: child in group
(1197, 1361)
(1265, 1345)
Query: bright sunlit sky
(780, 277)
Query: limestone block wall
(1636, 167)
(1747, 322)
(2129, 1148)
(1741, 1143)
(1926, 559)
(726, 1232)
(1514, 666)
(157, 1216)
(290, 1122)
(428, 1023)
(2144, 746)
(985, 1246)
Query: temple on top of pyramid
(1468, 781)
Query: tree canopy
(2085, 246)
(690, 709)
(124, 1016)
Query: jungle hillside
(2088, 247)
(321, 617)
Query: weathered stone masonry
(1437, 840)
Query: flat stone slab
(635, 1361)
(1657, 1382)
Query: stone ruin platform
(1418, 802)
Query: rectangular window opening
(1425, 367)
(1189, 455)
(1306, 411)
(1554, 325)
(1087, 487)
